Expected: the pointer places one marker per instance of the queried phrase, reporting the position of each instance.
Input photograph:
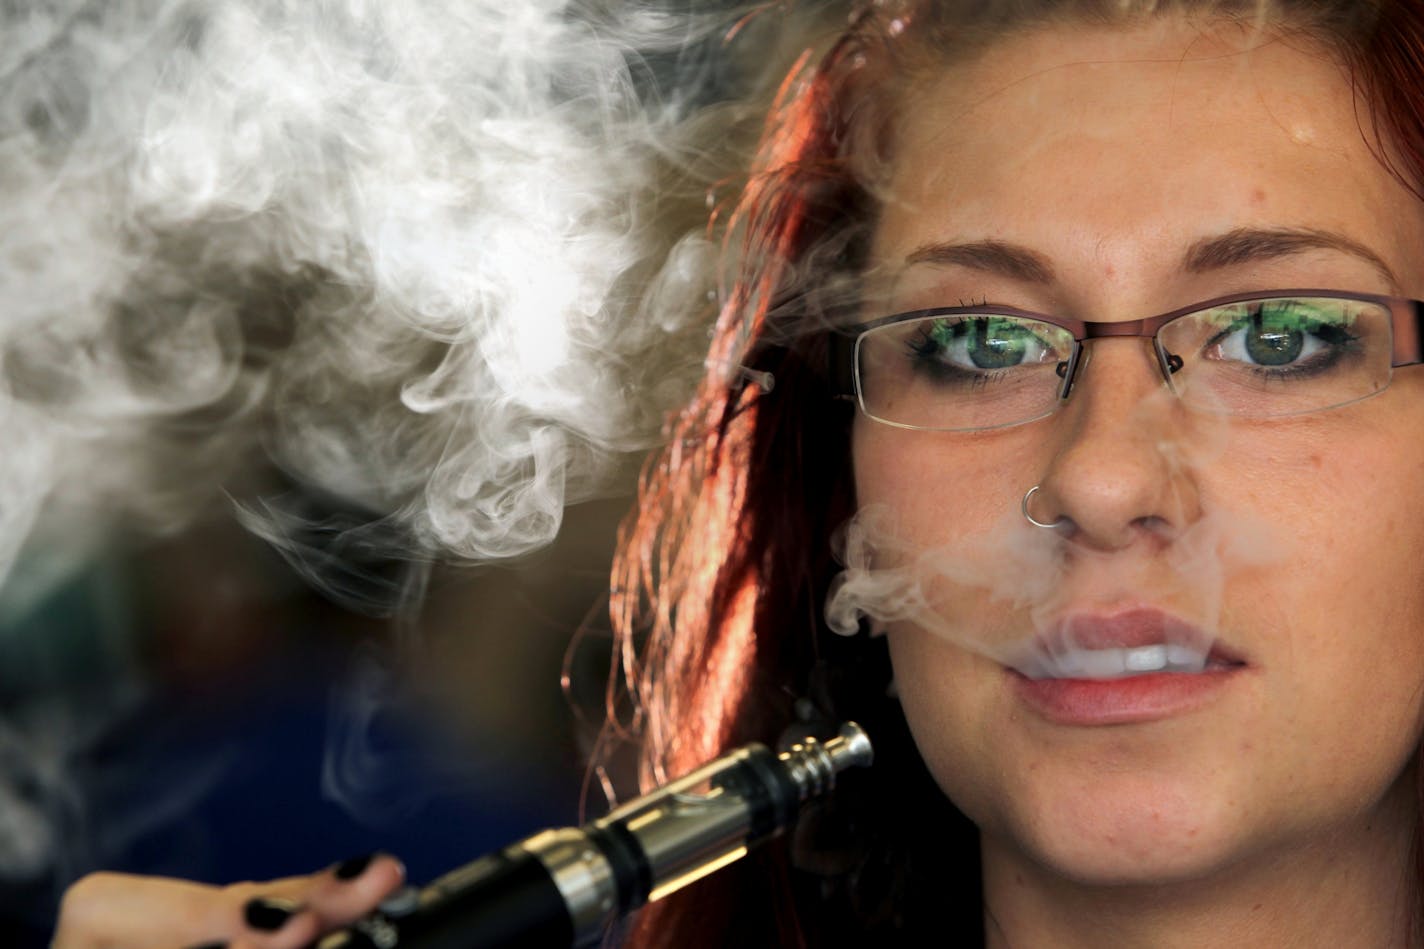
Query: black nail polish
(351, 869)
(268, 914)
(210, 945)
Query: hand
(121, 911)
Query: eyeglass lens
(1259, 359)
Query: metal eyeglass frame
(1406, 338)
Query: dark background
(189, 707)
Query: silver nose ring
(1029, 517)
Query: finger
(353, 888)
(273, 922)
(291, 913)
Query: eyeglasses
(1260, 355)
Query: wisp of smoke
(393, 247)
(400, 279)
(999, 589)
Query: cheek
(940, 484)
(1347, 516)
(942, 546)
(949, 700)
(1336, 618)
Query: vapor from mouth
(1046, 603)
(1030, 601)
(1112, 663)
(1134, 642)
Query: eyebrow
(1235, 247)
(1009, 260)
(1248, 245)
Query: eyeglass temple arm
(840, 353)
(1408, 333)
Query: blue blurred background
(189, 707)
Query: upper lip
(1129, 629)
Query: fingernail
(268, 914)
(351, 869)
(210, 945)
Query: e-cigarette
(565, 887)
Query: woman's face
(1105, 167)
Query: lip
(1129, 698)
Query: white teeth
(1186, 659)
(1093, 663)
(1145, 659)
(1114, 663)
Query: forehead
(1114, 149)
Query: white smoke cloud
(438, 264)
(396, 247)
(996, 589)
(1031, 575)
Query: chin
(1119, 830)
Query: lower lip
(1128, 700)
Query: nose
(1120, 471)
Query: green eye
(1278, 334)
(988, 342)
(998, 344)
(1273, 346)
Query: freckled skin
(1110, 153)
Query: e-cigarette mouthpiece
(564, 887)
